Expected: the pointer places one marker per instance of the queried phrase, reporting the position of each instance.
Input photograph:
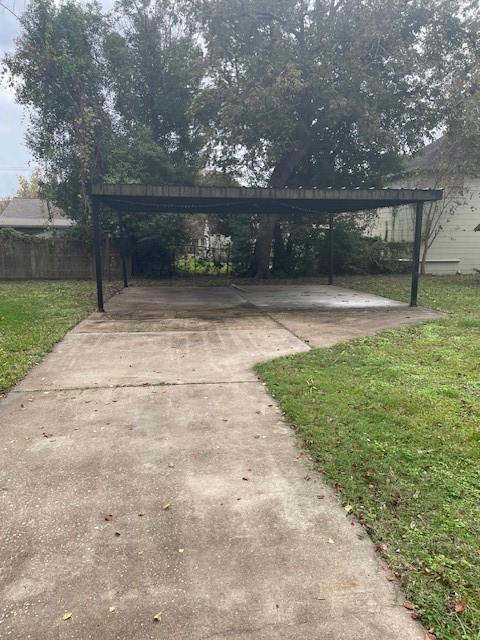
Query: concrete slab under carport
(321, 297)
(138, 409)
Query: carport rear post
(416, 254)
(123, 244)
(331, 258)
(97, 247)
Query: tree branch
(4, 6)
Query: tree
(58, 73)
(30, 187)
(155, 68)
(322, 93)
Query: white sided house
(450, 244)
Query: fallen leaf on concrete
(348, 508)
(166, 506)
(140, 515)
(430, 636)
(320, 497)
(108, 517)
(117, 533)
(307, 478)
(67, 615)
(415, 616)
(391, 578)
(181, 550)
(409, 605)
(459, 608)
(244, 478)
(158, 616)
(112, 609)
(331, 541)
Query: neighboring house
(34, 216)
(450, 244)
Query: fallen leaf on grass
(158, 616)
(348, 508)
(67, 615)
(430, 636)
(459, 608)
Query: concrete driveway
(145, 470)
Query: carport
(150, 199)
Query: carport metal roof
(153, 199)
(246, 200)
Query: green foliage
(393, 422)
(152, 242)
(7, 233)
(241, 229)
(302, 248)
(30, 187)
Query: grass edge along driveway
(393, 423)
(34, 316)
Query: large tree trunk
(279, 178)
(263, 245)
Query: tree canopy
(267, 92)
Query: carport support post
(122, 250)
(331, 263)
(97, 246)
(416, 253)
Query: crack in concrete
(134, 386)
(285, 328)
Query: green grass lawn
(393, 421)
(34, 316)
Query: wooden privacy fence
(24, 257)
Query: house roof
(426, 158)
(33, 213)
(444, 154)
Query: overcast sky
(14, 156)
